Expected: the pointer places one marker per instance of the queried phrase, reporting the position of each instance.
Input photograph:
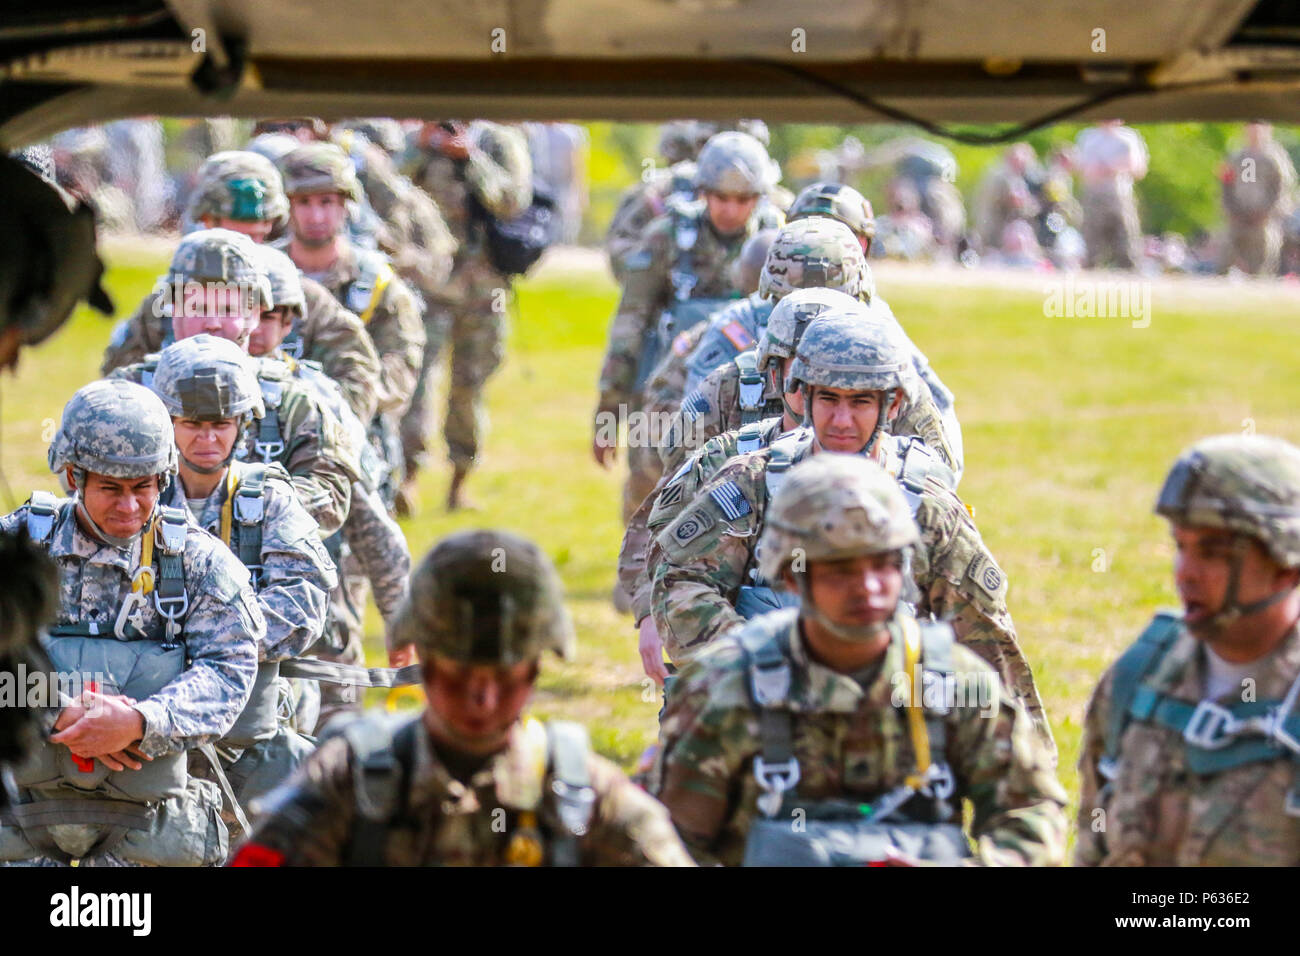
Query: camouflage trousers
(475, 333)
(1111, 231)
(1254, 247)
(644, 467)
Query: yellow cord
(915, 708)
(142, 580)
(227, 506)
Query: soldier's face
(473, 706)
(728, 212)
(316, 218)
(221, 309)
(205, 443)
(1203, 567)
(120, 506)
(857, 592)
(844, 419)
(258, 229)
(270, 331)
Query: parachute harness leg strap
(776, 769)
(210, 752)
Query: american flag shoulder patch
(731, 500)
(738, 335)
(695, 405)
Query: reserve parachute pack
(383, 749)
(1217, 737)
(915, 818)
(76, 807)
(513, 246)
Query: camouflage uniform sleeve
(644, 292)
(319, 458)
(500, 171)
(221, 631)
(706, 744)
(704, 556)
(336, 338)
(297, 576)
(380, 548)
(1090, 839)
(962, 583)
(1008, 774)
(135, 337)
(636, 210)
(397, 331)
(428, 257)
(923, 419)
(702, 415)
(629, 827)
(308, 818)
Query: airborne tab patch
(731, 500)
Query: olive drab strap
(569, 749)
(775, 769)
(269, 443)
(1130, 670)
(917, 463)
(333, 672)
(749, 438)
(209, 753)
(42, 508)
(686, 231)
(784, 454)
(382, 761)
(751, 387)
(247, 507)
(170, 597)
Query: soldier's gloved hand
(651, 647)
(101, 725)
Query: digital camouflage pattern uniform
(848, 732)
(121, 430)
(709, 550)
(1177, 782)
(486, 598)
(469, 312)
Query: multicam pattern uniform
(318, 453)
(329, 334)
(1158, 812)
(708, 549)
(470, 309)
(297, 573)
(851, 742)
(454, 823)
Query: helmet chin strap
(882, 420)
(122, 544)
(1232, 608)
(851, 633)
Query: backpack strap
(918, 462)
(686, 231)
(42, 509)
(784, 453)
(246, 505)
(382, 761)
(569, 749)
(169, 595)
(1132, 667)
(751, 387)
(767, 659)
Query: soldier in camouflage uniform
(242, 191)
(319, 180)
(468, 781)
(854, 373)
(470, 171)
(678, 277)
(167, 618)
(298, 431)
(1258, 182)
(810, 714)
(917, 441)
(370, 548)
(1191, 748)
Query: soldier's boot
(456, 498)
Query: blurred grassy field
(1069, 426)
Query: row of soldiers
(849, 673)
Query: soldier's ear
(72, 481)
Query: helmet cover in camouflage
(319, 168)
(816, 253)
(274, 146)
(116, 428)
(853, 349)
(736, 163)
(387, 134)
(839, 202)
(221, 255)
(485, 597)
(206, 378)
(789, 318)
(747, 268)
(1249, 484)
(240, 185)
(286, 281)
(755, 128)
(680, 140)
(833, 506)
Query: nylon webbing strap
(116, 816)
(382, 278)
(1218, 738)
(210, 752)
(575, 799)
(332, 672)
(249, 509)
(751, 387)
(775, 769)
(269, 444)
(1132, 666)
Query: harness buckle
(172, 530)
(770, 682)
(165, 606)
(574, 805)
(268, 450)
(131, 614)
(1108, 768)
(751, 394)
(939, 782)
(1212, 726)
(248, 509)
(774, 779)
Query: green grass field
(1069, 426)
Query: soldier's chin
(314, 242)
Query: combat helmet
(485, 597)
(221, 255)
(1246, 484)
(319, 168)
(286, 281)
(816, 253)
(240, 185)
(830, 507)
(839, 202)
(735, 162)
